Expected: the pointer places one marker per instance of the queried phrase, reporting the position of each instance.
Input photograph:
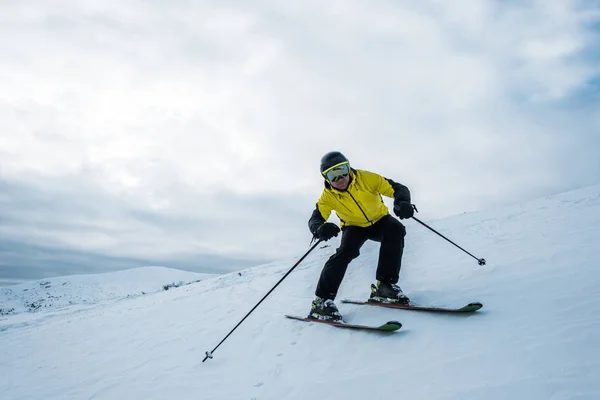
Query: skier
(355, 196)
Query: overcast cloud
(189, 133)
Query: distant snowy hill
(55, 293)
(537, 337)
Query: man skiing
(355, 196)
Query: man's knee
(352, 241)
(396, 228)
(348, 253)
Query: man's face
(338, 175)
(341, 184)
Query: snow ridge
(57, 293)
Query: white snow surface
(537, 337)
(73, 290)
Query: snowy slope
(72, 290)
(537, 337)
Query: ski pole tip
(481, 261)
(208, 355)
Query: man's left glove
(403, 209)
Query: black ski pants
(388, 231)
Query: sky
(188, 134)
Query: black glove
(327, 231)
(403, 209)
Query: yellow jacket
(361, 203)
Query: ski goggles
(337, 172)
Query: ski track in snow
(537, 337)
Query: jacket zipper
(360, 208)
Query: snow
(537, 337)
(57, 293)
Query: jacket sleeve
(400, 192)
(388, 187)
(319, 216)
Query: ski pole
(481, 261)
(209, 354)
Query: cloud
(170, 130)
(58, 229)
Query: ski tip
(472, 307)
(390, 326)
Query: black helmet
(332, 158)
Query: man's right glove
(404, 210)
(327, 231)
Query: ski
(389, 326)
(471, 307)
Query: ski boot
(324, 309)
(388, 293)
